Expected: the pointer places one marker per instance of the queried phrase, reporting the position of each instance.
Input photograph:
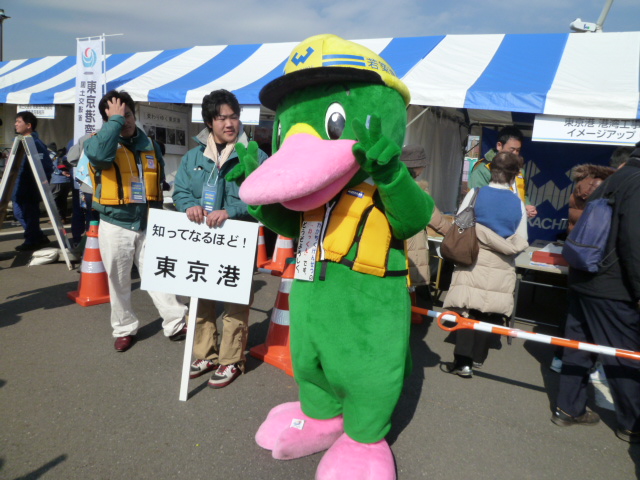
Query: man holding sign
(127, 171)
(204, 193)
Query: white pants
(120, 248)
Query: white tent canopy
(596, 75)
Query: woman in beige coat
(484, 290)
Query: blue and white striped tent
(594, 75)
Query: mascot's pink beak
(304, 174)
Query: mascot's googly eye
(335, 120)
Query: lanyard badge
(210, 191)
(138, 194)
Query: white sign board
(40, 111)
(249, 114)
(194, 260)
(605, 131)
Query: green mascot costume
(336, 183)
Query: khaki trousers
(235, 331)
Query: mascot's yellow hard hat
(330, 59)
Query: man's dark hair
(211, 105)
(619, 156)
(124, 98)
(28, 117)
(509, 132)
(504, 167)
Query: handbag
(460, 244)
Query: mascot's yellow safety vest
(520, 185)
(112, 186)
(354, 219)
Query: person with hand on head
(127, 170)
(203, 191)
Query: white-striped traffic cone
(283, 250)
(275, 351)
(93, 288)
(262, 259)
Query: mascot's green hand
(247, 162)
(377, 155)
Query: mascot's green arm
(407, 207)
(278, 218)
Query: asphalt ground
(71, 407)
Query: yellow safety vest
(112, 186)
(354, 219)
(520, 184)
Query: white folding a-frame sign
(25, 145)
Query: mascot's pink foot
(290, 434)
(351, 460)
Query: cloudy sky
(39, 28)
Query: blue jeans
(30, 212)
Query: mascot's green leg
(349, 348)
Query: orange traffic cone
(262, 259)
(283, 250)
(415, 317)
(275, 351)
(93, 287)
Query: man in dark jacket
(26, 196)
(604, 308)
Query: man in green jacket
(127, 171)
(509, 140)
(202, 191)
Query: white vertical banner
(90, 85)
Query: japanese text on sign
(549, 128)
(192, 259)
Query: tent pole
(418, 116)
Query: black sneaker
(224, 375)
(563, 419)
(180, 335)
(628, 436)
(464, 371)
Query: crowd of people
(127, 172)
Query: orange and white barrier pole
(462, 322)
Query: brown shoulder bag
(460, 244)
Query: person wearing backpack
(604, 308)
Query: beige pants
(235, 330)
(120, 248)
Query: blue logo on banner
(89, 57)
